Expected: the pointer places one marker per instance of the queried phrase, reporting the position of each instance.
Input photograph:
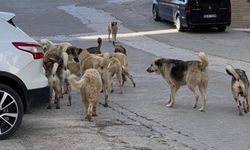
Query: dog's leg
(174, 89)
(237, 100)
(125, 71)
(109, 34)
(50, 97)
(119, 80)
(245, 104)
(196, 96)
(68, 91)
(57, 96)
(204, 99)
(114, 36)
(94, 109)
(169, 99)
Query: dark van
(193, 13)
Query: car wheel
(11, 111)
(178, 24)
(222, 28)
(156, 16)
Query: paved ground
(137, 119)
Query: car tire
(155, 12)
(11, 111)
(222, 28)
(178, 24)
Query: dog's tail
(231, 71)
(76, 85)
(203, 60)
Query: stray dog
(112, 29)
(90, 86)
(56, 74)
(59, 48)
(124, 62)
(178, 73)
(109, 68)
(96, 50)
(239, 86)
(119, 48)
(47, 45)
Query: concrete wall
(240, 13)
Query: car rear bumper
(37, 98)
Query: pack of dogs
(64, 63)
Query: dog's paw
(170, 105)
(195, 106)
(202, 109)
(240, 113)
(106, 105)
(49, 107)
(88, 117)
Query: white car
(22, 80)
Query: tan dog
(110, 67)
(56, 73)
(58, 48)
(178, 73)
(124, 62)
(47, 45)
(112, 29)
(239, 86)
(74, 68)
(90, 86)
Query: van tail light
(29, 47)
(188, 9)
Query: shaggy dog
(74, 68)
(96, 50)
(124, 62)
(112, 29)
(178, 73)
(119, 48)
(56, 74)
(239, 86)
(90, 86)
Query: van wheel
(156, 16)
(178, 24)
(11, 111)
(222, 28)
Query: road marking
(98, 20)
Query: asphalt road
(138, 118)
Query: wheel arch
(17, 84)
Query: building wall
(240, 13)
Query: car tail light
(30, 48)
(188, 9)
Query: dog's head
(155, 66)
(74, 52)
(45, 43)
(113, 23)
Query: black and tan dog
(239, 86)
(178, 73)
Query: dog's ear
(158, 62)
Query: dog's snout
(149, 70)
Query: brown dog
(178, 73)
(239, 86)
(112, 29)
(90, 86)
